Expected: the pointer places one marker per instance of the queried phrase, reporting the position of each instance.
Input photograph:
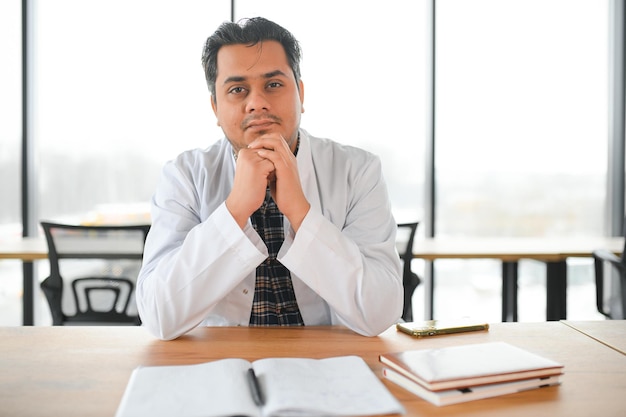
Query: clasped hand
(267, 161)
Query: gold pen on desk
(255, 388)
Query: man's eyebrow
(234, 79)
(239, 78)
(274, 74)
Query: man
(270, 225)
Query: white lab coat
(199, 265)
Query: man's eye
(236, 90)
(274, 84)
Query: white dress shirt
(199, 266)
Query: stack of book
(457, 374)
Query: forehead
(248, 61)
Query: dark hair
(248, 32)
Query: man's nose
(257, 101)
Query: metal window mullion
(616, 149)
(429, 182)
(28, 174)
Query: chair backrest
(406, 252)
(93, 270)
(410, 280)
(610, 274)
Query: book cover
(338, 386)
(461, 395)
(469, 365)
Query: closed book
(464, 366)
(461, 395)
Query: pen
(255, 388)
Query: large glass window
(10, 117)
(521, 115)
(10, 157)
(120, 90)
(521, 121)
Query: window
(521, 123)
(10, 156)
(11, 116)
(120, 91)
(521, 116)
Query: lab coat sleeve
(190, 264)
(354, 266)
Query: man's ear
(214, 107)
(301, 92)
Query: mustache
(250, 119)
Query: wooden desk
(553, 251)
(27, 250)
(609, 332)
(83, 371)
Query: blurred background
(521, 119)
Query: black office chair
(602, 257)
(98, 266)
(410, 280)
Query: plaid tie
(274, 299)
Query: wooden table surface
(547, 249)
(83, 371)
(25, 249)
(609, 332)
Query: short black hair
(248, 32)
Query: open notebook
(338, 386)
